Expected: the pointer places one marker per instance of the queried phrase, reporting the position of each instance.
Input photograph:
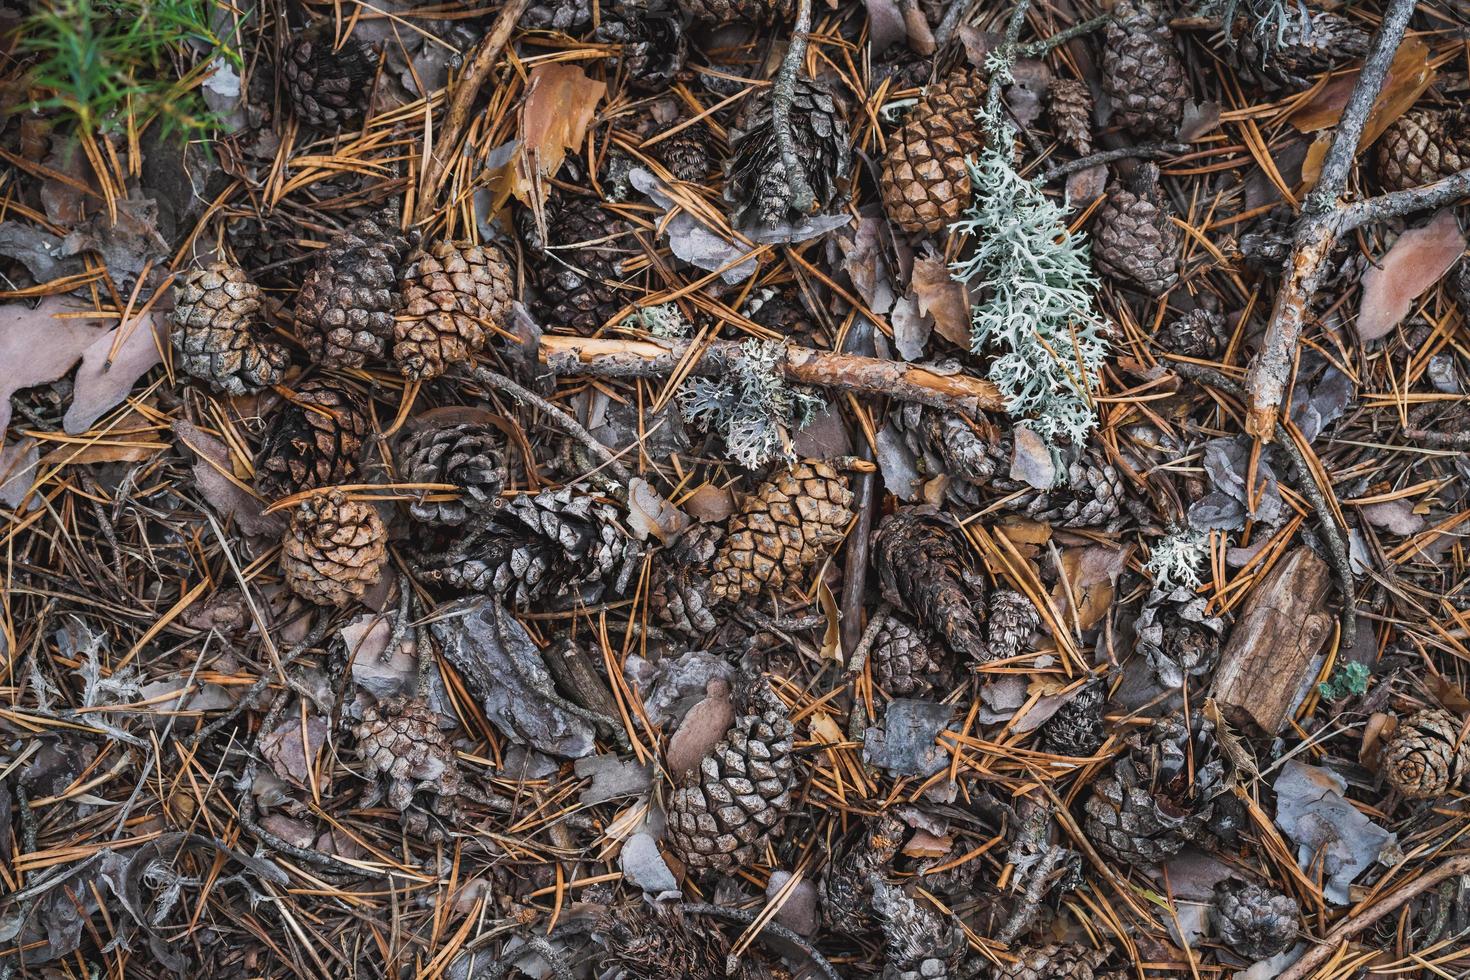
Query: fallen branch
(461, 100)
(1359, 921)
(782, 94)
(1147, 152)
(1437, 194)
(613, 358)
(1323, 220)
(1038, 48)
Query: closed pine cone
(925, 177)
(725, 11)
(467, 456)
(335, 549)
(1422, 146)
(328, 87)
(217, 333)
(348, 300)
(1199, 334)
(686, 154)
(1076, 730)
(847, 881)
(782, 531)
(1426, 756)
(1069, 102)
(909, 660)
(1141, 71)
(722, 812)
(1054, 961)
(314, 442)
(451, 290)
(757, 186)
(1255, 921)
(576, 267)
(926, 570)
(1133, 237)
(400, 743)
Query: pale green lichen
(752, 407)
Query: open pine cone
(335, 549)
(328, 85)
(218, 334)
(467, 456)
(451, 291)
(313, 442)
(1426, 756)
(400, 743)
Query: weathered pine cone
(218, 334)
(1054, 961)
(1255, 921)
(726, 11)
(335, 549)
(348, 300)
(467, 456)
(314, 442)
(1069, 103)
(1426, 756)
(400, 743)
(451, 290)
(1134, 239)
(328, 86)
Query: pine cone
(465, 455)
(399, 742)
(756, 183)
(328, 86)
(927, 571)
(951, 445)
(918, 943)
(650, 36)
(1254, 921)
(909, 661)
(450, 291)
(568, 16)
(1012, 620)
(1177, 636)
(314, 442)
(349, 297)
(679, 591)
(1070, 105)
(551, 544)
(334, 550)
(1133, 238)
(1054, 961)
(1091, 496)
(660, 943)
(847, 881)
(925, 177)
(1422, 146)
(1285, 55)
(725, 11)
(1199, 334)
(782, 530)
(1076, 730)
(576, 267)
(260, 240)
(1141, 71)
(1426, 756)
(686, 154)
(721, 814)
(1142, 812)
(217, 333)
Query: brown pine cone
(1054, 961)
(737, 799)
(1199, 334)
(1255, 921)
(782, 530)
(847, 881)
(725, 11)
(349, 297)
(918, 942)
(218, 334)
(451, 290)
(909, 660)
(1141, 71)
(927, 570)
(1069, 103)
(679, 592)
(466, 455)
(1426, 756)
(314, 442)
(334, 550)
(1422, 146)
(756, 184)
(328, 86)
(686, 154)
(925, 177)
(1134, 239)
(400, 743)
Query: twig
(613, 358)
(1450, 440)
(1147, 152)
(1004, 58)
(788, 624)
(950, 21)
(1437, 194)
(855, 564)
(1332, 534)
(783, 92)
(466, 87)
(857, 718)
(1359, 921)
(1038, 48)
(555, 415)
(261, 683)
(1317, 231)
(1022, 915)
(745, 917)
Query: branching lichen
(1035, 316)
(752, 407)
(663, 321)
(1177, 559)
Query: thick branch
(613, 358)
(782, 95)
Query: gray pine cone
(918, 943)
(217, 333)
(465, 455)
(1254, 921)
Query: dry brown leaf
(832, 636)
(926, 845)
(102, 384)
(697, 735)
(941, 297)
(825, 729)
(560, 104)
(1091, 571)
(710, 503)
(1415, 262)
(38, 346)
(18, 471)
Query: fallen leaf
(832, 636)
(885, 24)
(1086, 186)
(799, 911)
(916, 25)
(1092, 572)
(611, 777)
(100, 385)
(649, 512)
(1199, 119)
(38, 346)
(644, 867)
(560, 104)
(18, 472)
(940, 296)
(701, 730)
(1031, 460)
(897, 464)
(825, 728)
(926, 845)
(1026, 94)
(39, 251)
(124, 245)
(1417, 261)
(366, 641)
(691, 241)
(710, 503)
(291, 749)
(911, 329)
(1394, 516)
(219, 491)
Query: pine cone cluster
(925, 177)
(218, 333)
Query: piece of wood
(1272, 647)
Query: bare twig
(783, 92)
(855, 565)
(613, 358)
(1449, 440)
(1036, 886)
(1437, 194)
(1359, 921)
(1146, 152)
(745, 917)
(1038, 48)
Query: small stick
(1359, 921)
(745, 917)
(855, 565)
(1022, 915)
(1037, 49)
(857, 718)
(783, 93)
(261, 683)
(1451, 440)
(1441, 192)
(1147, 152)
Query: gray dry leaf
(102, 384)
(291, 749)
(504, 671)
(612, 778)
(1031, 460)
(1415, 262)
(911, 329)
(692, 241)
(649, 512)
(18, 472)
(37, 346)
(39, 251)
(897, 464)
(227, 498)
(125, 245)
(676, 684)
(366, 639)
(1395, 517)
(1000, 698)
(1333, 837)
(906, 744)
